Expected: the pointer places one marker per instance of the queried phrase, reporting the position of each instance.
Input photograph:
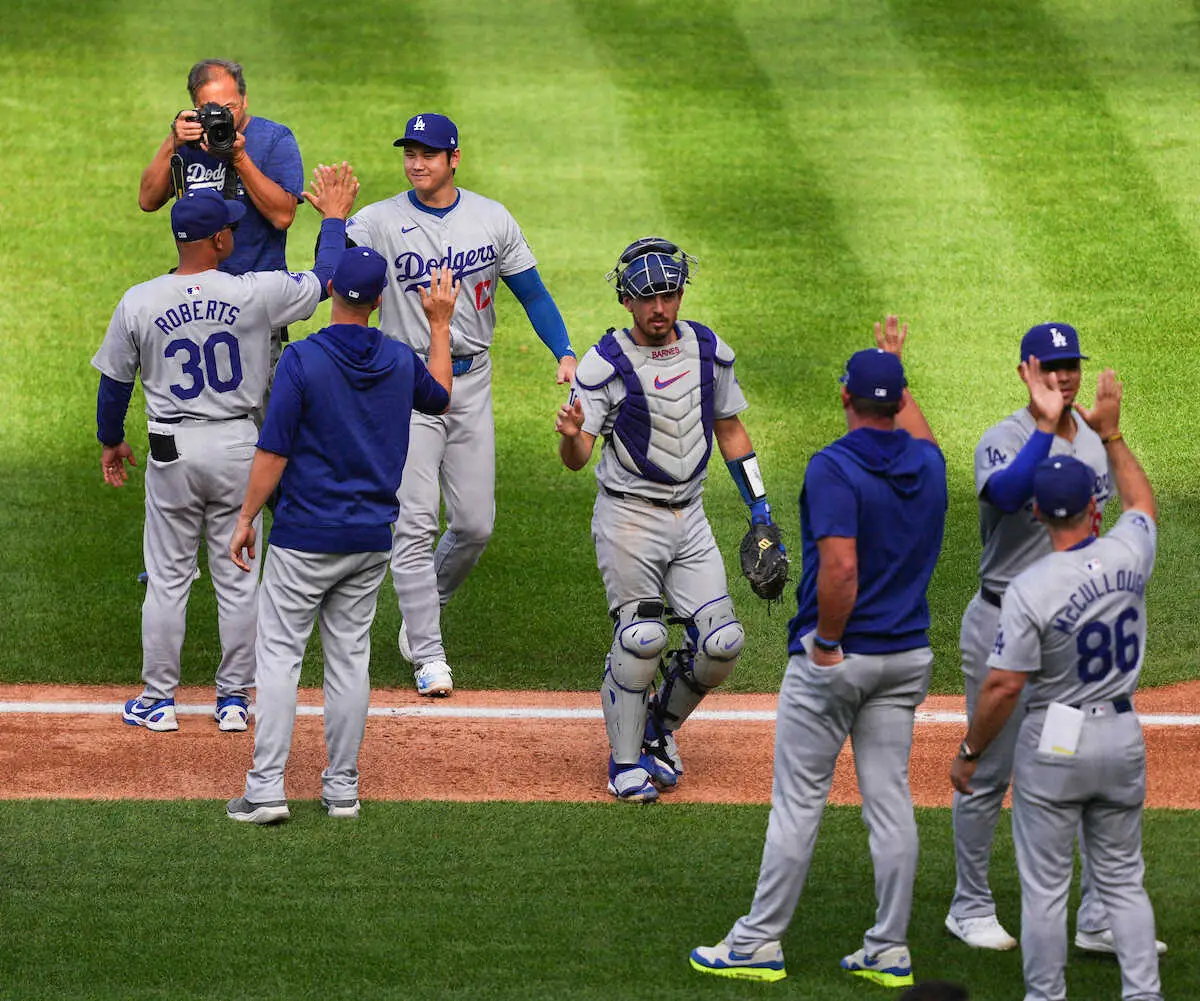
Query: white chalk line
(444, 711)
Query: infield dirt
(88, 755)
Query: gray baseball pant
(340, 590)
(872, 699)
(644, 551)
(199, 493)
(975, 816)
(1102, 786)
(451, 458)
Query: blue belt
(462, 364)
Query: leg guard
(714, 642)
(639, 636)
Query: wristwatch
(965, 752)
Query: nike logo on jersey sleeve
(660, 383)
(408, 229)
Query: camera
(220, 132)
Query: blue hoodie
(887, 490)
(339, 412)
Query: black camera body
(220, 132)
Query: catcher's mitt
(764, 562)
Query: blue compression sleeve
(330, 245)
(539, 306)
(753, 493)
(1013, 486)
(112, 403)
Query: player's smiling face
(654, 318)
(1067, 375)
(429, 171)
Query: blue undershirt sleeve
(330, 244)
(539, 306)
(1012, 486)
(112, 403)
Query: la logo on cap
(419, 124)
(1057, 338)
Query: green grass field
(513, 901)
(976, 167)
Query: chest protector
(664, 430)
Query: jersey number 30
(1099, 646)
(203, 366)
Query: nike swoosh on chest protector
(661, 384)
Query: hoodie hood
(886, 453)
(357, 351)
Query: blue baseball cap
(1051, 342)
(434, 131)
(874, 374)
(202, 212)
(1062, 486)
(360, 276)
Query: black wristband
(827, 645)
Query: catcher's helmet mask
(650, 266)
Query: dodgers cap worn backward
(434, 131)
(874, 374)
(1062, 486)
(202, 212)
(1051, 342)
(360, 276)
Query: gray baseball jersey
(478, 239)
(1077, 619)
(202, 341)
(1012, 541)
(670, 378)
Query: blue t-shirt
(257, 245)
(339, 412)
(886, 490)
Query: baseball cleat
(232, 713)
(157, 716)
(434, 678)
(661, 754)
(631, 783)
(403, 644)
(764, 963)
(1102, 942)
(257, 813)
(889, 967)
(981, 933)
(346, 809)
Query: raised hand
(439, 299)
(333, 190)
(1045, 399)
(1105, 415)
(890, 336)
(570, 419)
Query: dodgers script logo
(200, 176)
(412, 267)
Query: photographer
(263, 155)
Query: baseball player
(437, 224)
(658, 393)
(1070, 646)
(335, 439)
(199, 339)
(872, 514)
(1005, 459)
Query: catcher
(658, 393)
